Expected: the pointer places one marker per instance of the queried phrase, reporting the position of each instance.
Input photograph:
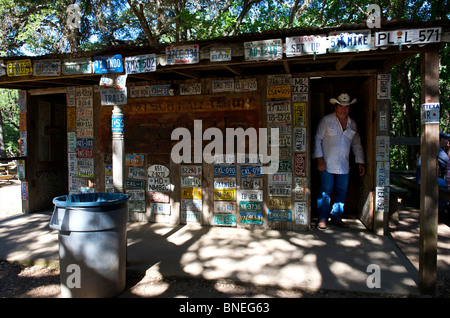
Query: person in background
(443, 158)
(335, 136)
(443, 162)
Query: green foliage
(9, 108)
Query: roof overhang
(330, 64)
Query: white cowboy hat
(343, 99)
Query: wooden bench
(394, 192)
(410, 182)
(6, 171)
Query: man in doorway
(335, 136)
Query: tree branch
(139, 13)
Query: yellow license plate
(191, 193)
(19, 68)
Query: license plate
(225, 207)
(108, 64)
(159, 208)
(19, 68)
(283, 190)
(195, 171)
(279, 203)
(158, 184)
(251, 195)
(186, 54)
(263, 50)
(251, 218)
(225, 183)
(191, 193)
(140, 64)
(225, 219)
(191, 182)
(134, 184)
(253, 171)
(225, 194)
(224, 171)
(249, 206)
(280, 216)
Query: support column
(429, 191)
(118, 148)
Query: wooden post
(118, 148)
(429, 191)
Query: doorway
(46, 164)
(322, 89)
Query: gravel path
(35, 281)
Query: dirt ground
(35, 281)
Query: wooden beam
(47, 91)
(235, 70)
(187, 73)
(429, 190)
(286, 67)
(343, 61)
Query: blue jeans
(328, 181)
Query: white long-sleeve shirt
(333, 144)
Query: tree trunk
(2, 140)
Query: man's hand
(321, 166)
(362, 169)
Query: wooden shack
(111, 120)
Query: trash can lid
(90, 199)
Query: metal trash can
(92, 243)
